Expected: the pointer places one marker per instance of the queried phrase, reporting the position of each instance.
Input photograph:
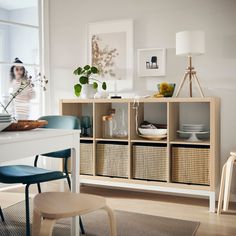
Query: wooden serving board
(22, 125)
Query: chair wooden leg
(36, 223)
(112, 221)
(222, 187)
(1, 215)
(47, 227)
(228, 178)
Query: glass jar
(107, 126)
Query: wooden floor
(150, 203)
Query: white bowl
(152, 132)
(4, 125)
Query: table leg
(75, 163)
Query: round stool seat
(56, 205)
(233, 153)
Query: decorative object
(152, 132)
(151, 62)
(110, 48)
(85, 125)
(193, 135)
(22, 125)
(193, 130)
(84, 89)
(120, 129)
(30, 82)
(107, 126)
(190, 43)
(165, 89)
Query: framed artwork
(151, 62)
(110, 48)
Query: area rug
(96, 224)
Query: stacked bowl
(5, 121)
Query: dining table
(15, 145)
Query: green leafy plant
(85, 77)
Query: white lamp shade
(190, 43)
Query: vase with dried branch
(40, 80)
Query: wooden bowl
(22, 125)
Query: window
(19, 38)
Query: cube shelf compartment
(173, 172)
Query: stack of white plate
(5, 121)
(192, 128)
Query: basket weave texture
(191, 165)
(86, 158)
(150, 162)
(112, 160)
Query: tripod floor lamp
(190, 43)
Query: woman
(18, 76)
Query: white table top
(19, 136)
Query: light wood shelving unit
(173, 112)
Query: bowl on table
(152, 132)
(5, 121)
(166, 89)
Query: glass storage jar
(107, 126)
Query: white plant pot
(87, 91)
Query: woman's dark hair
(12, 76)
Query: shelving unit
(170, 111)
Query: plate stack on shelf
(193, 130)
(192, 127)
(5, 121)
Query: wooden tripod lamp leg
(181, 84)
(198, 85)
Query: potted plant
(87, 86)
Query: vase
(88, 91)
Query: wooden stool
(225, 184)
(48, 207)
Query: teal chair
(29, 175)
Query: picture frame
(151, 62)
(110, 48)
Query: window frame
(43, 46)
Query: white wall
(156, 22)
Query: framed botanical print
(151, 62)
(110, 49)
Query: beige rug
(96, 224)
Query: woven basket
(190, 164)
(112, 159)
(86, 159)
(150, 162)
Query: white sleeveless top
(21, 104)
